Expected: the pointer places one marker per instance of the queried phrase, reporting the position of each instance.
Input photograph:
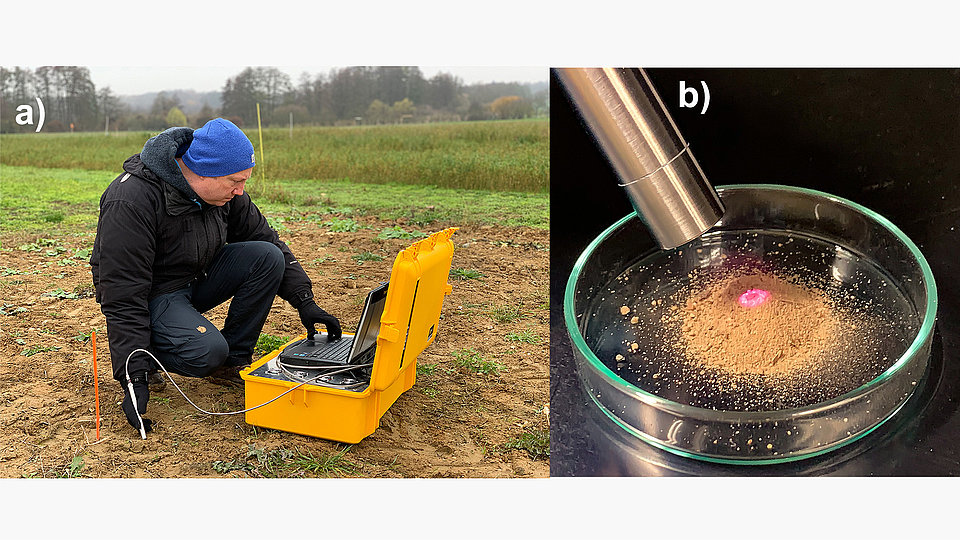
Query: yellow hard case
(418, 284)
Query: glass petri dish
(623, 292)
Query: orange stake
(96, 381)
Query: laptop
(355, 349)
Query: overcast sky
(139, 80)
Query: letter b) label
(690, 96)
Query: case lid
(411, 316)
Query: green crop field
(494, 156)
(35, 200)
(481, 172)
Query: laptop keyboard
(326, 350)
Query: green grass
(426, 370)
(326, 463)
(72, 470)
(61, 294)
(397, 232)
(535, 442)
(425, 379)
(11, 310)
(84, 290)
(38, 349)
(342, 225)
(496, 156)
(27, 193)
(82, 336)
(505, 314)
(366, 256)
(473, 361)
(49, 246)
(524, 336)
(75, 467)
(277, 224)
(267, 343)
(465, 274)
(286, 463)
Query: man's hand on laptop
(311, 314)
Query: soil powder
(787, 332)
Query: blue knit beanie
(219, 148)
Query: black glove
(311, 314)
(142, 390)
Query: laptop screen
(369, 327)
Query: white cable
(133, 397)
(133, 400)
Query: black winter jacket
(155, 236)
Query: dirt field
(455, 422)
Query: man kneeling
(177, 236)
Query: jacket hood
(159, 153)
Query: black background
(888, 139)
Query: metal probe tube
(636, 133)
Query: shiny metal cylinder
(631, 125)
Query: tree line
(351, 95)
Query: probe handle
(631, 125)
(133, 400)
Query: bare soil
(454, 422)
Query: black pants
(187, 343)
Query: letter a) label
(24, 115)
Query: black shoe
(238, 361)
(156, 382)
(226, 376)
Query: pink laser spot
(754, 298)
